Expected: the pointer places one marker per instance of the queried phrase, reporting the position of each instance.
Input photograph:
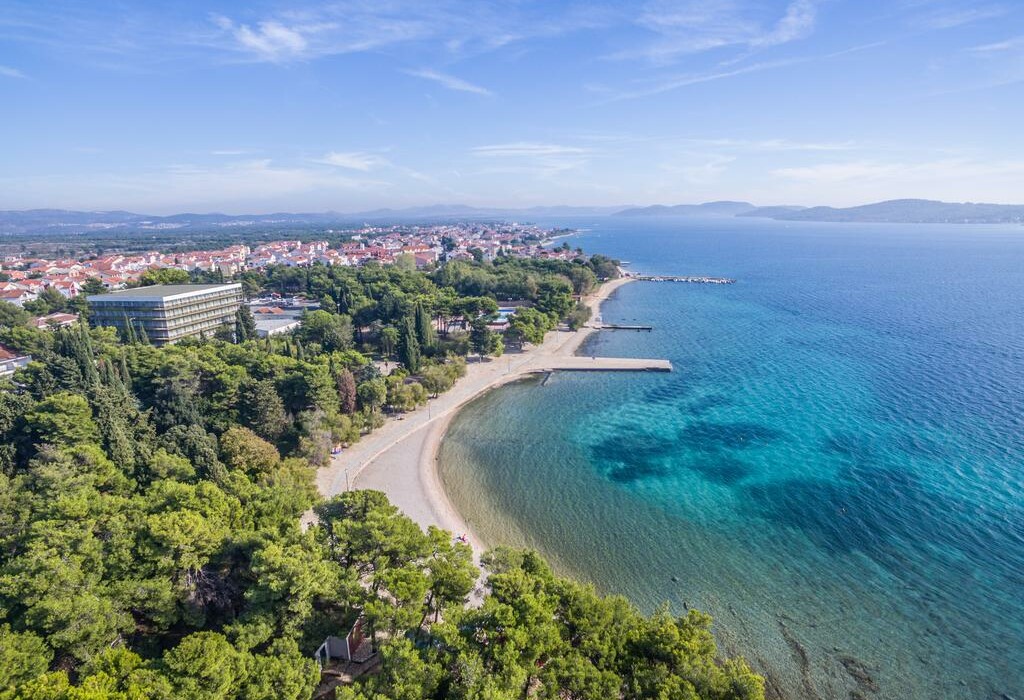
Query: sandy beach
(400, 457)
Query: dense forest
(152, 537)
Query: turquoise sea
(834, 470)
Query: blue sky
(264, 106)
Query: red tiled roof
(7, 353)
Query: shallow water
(834, 470)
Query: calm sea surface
(835, 469)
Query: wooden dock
(601, 364)
(689, 279)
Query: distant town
(24, 278)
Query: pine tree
(480, 337)
(262, 410)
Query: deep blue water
(834, 470)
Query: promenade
(399, 457)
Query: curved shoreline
(400, 458)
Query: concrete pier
(619, 327)
(601, 364)
(689, 279)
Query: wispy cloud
(543, 160)
(681, 81)
(840, 172)
(797, 23)
(676, 82)
(768, 145)
(8, 72)
(862, 170)
(449, 81)
(685, 27)
(269, 40)
(363, 162)
(986, 66)
(528, 150)
(229, 152)
(348, 27)
(451, 29)
(950, 17)
(260, 184)
(999, 46)
(703, 171)
(737, 145)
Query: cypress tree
(108, 376)
(408, 346)
(112, 420)
(346, 391)
(85, 354)
(128, 332)
(245, 324)
(126, 377)
(425, 333)
(342, 298)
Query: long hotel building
(168, 312)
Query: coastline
(400, 458)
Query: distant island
(895, 211)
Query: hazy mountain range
(61, 221)
(723, 208)
(898, 211)
(921, 211)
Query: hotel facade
(168, 312)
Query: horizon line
(522, 208)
